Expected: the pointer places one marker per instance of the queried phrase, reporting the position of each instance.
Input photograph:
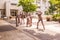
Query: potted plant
(49, 18)
(58, 18)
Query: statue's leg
(38, 23)
(16, 21)
(30, 22)
(27, 23)
(43, 24)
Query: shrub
(49, 18)
(56, 17)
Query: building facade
(8, 8)
(43, 5)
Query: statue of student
(39, 13)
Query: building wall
(6, 6)
(2, 4)
(13, 6)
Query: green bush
(28, 5)
(56, 17)
(46, 13)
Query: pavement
(9, 32)
(52, 30)
(50, 25)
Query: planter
(48, 19)
(59, 20)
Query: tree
(28, 5)
(51, 8)
(54, 6)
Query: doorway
(2, 14)
(13, 12)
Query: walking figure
(39, 13)
(22, 18)
(18, 16)
(29, 20)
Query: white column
(47, 4)
(0, 14)
(42, 6)
(8, 8)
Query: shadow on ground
(11, 21)
(4, 28)
(43, 36)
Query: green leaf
(28, 5)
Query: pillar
(8, 9)
(42, 7)
(0, 14)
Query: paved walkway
(2, 22)
(8, 32)
(51, 25)
(52, 31)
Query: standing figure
(39, 13)
(18, 18)
(22, 18)
(29, 20)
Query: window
(13, 4)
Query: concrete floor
(8, 32)
(11, 32)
